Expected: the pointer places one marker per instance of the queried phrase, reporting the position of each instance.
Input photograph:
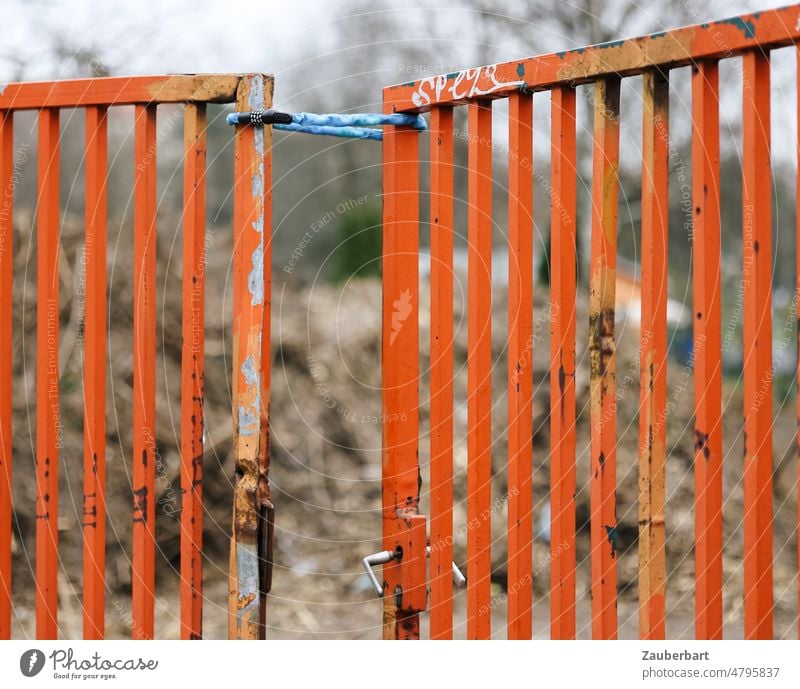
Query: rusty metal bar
(479, 368)
(665, 49)
(707, 350)
(520, 366)
(605, 191)
(144, 371)
(47, 413)
(563, 277)
(441, 375)
(94, 377)
(6, 362)
(757, 355)
(400, 374)
(251, 557)
(653, 356)
(192, 369)
(73, 93)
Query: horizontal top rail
(667, 49)
(72, 93)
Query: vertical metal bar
(520, 366)
(192, 369)
(6, 361)
(144, 371)
(250, 568)
(605, 191)
(707, 350)
(653, 355)
(48, 420)
(797, 299)
(441, 377)
(400, 362)
(94, 377)
(479, 367)
(562, 363)
(757, 282)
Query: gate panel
(252, 511)
(750, 38)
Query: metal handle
(370, 561)
(386, 556)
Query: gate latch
(385, 556)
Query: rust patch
(601, 341)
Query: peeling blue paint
(610, 44)
(520, 70)
(247, 578)
(247, 422)
(747, 27)
(255, 280)
(257, 184)
(249, 371)
(574, 51)
(255, 100)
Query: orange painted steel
(400, 374)
(797, 297)
(602, 352)
(562, 363)
(6, 362)
(75, 93)
(707, 350)
(653, 357)
(757, 353)
(479, 371)
(441, 374)
(665, 49)
(192, 369)
(520, 366)
(144, 371)
(251, 559)
(94, 375)
(47, 413)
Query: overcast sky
(291, 39)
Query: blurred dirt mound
(326, 458)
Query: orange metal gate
(249, 575)
(405, 579)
